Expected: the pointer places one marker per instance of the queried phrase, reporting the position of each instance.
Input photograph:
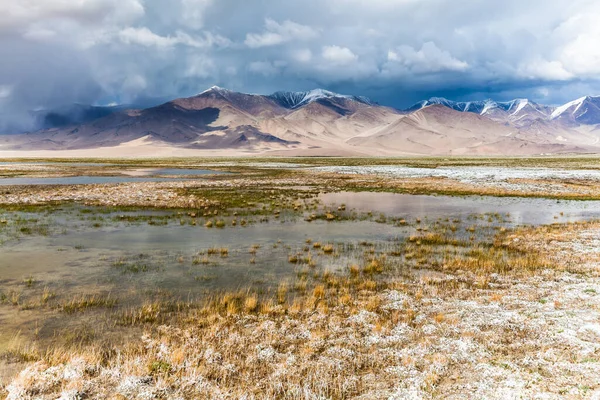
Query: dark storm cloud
(57, 52)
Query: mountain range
(320, 122)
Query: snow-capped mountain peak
(294, 100)
(584, 110)
(478, 107)
(488, 105)
(435, 101)
(439, 100)
(565, 107)
(518, 105)
(520, 112)
(215, 88)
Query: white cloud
(40, 34)
(135, 83)
(580, 54)
(265, 68)
(429, 58)
(542, 69)
(5, 91)
(77, 23)
(542, 92)
(276, 33)
(193, 12)
(255, 40)
(145, 37)
(338, 55)
(24, 12)
(200, 66)
(405, 48)
(302, 55)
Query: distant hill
(320, 122)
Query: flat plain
(300, 278)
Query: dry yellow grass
(325, 335)
(328, 249)
(251, 303)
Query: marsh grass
(20, 349)
(81, 303)
(200, 260)
(29, 281)
(46, 295)
(229, 322)
(147, 314)
(134, 267)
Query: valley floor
(430, 303)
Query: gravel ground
(467, 174)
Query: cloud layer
(56, 52)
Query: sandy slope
(139, 148)
(146, 148)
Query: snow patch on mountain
(477, 107)
(515, 109)
(562, 109)
(521, 103)
(295, 100)
(488, 105)
(217, 89)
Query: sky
(397, 52)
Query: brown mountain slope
(315, 123)
(208, 121)
(440, 130)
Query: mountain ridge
(321, 122)
(584, 110)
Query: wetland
(299, 278)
